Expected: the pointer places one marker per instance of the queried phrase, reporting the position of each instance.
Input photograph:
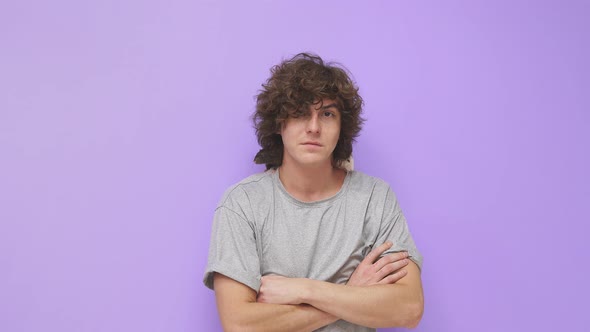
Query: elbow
(229, 326)
(413, 315)
(235, 324)
(235, 327)
(408, 316)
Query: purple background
(122, 123)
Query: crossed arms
(383, 292)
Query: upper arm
(415, 296)
(394, 227)
(230, 295)
(231, 292)
(233, 251)
(412, 279)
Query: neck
(311, 184)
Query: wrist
(306, 290)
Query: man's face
(309, 140)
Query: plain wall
(123, 122)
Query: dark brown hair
(295, 85)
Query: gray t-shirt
(260, 229)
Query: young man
(308, 245)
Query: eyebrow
(329, 106)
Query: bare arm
(239, 310)
(379, 305)
(396, 305)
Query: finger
(393, 278)
(391, 268)
(261, 299)
(390, 258)
(372, 256)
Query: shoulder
(376, 190)
(360, 181)
(252, 187)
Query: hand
(280, 290)
(386, 270)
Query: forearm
(275, 317)
(391, 300)
(372, 306)
(239, 311)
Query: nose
(313, 123)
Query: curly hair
(295, 85)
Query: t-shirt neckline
(325, 201)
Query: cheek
(336, 133)
(287, 135)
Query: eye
(328, 114)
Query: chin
(314, 162)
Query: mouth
(311, 143)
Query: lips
(312, 143)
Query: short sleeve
(394, 228)
(232, 251)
